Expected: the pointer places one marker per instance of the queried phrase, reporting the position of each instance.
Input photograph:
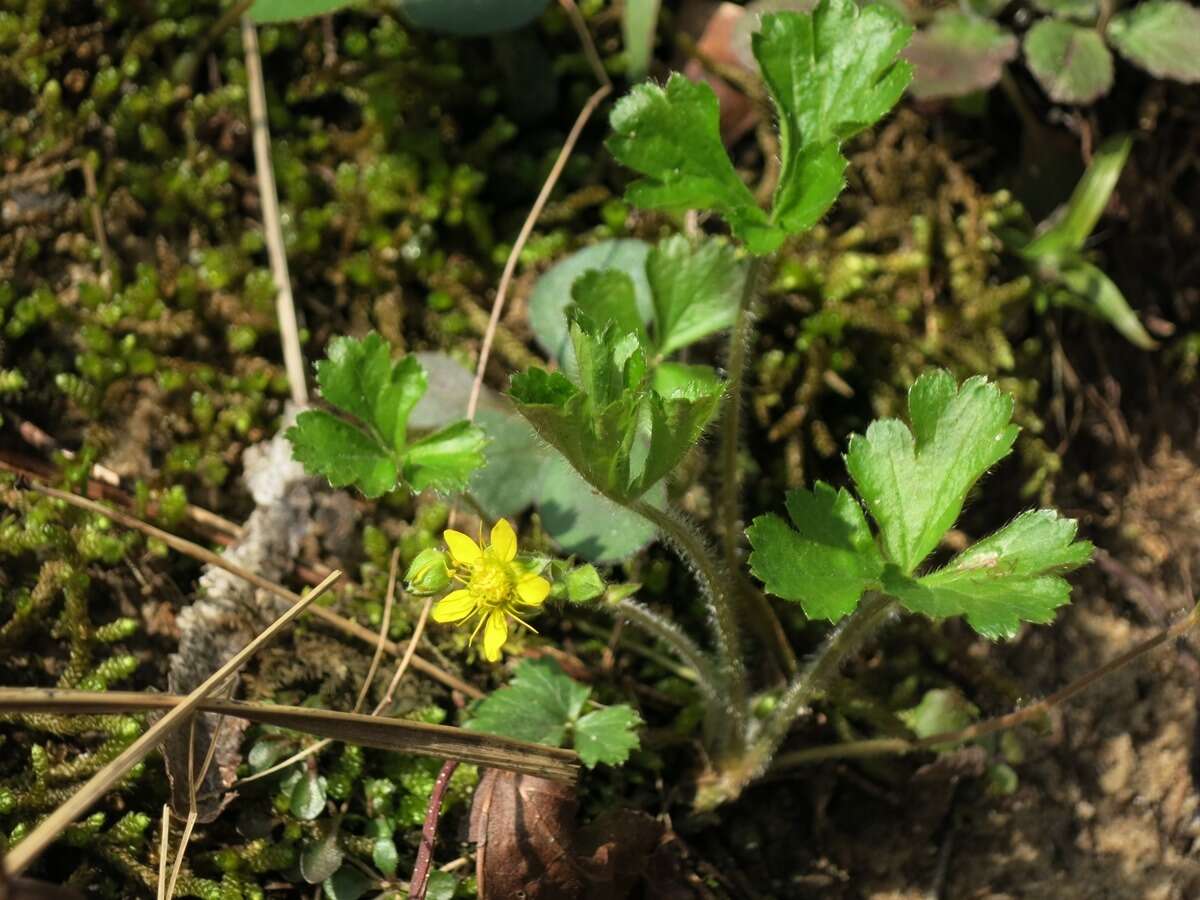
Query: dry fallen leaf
(530, 846)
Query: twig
(89, 184)
(49, 829)
(420, 876)
(568, 147)
(377, 732)
(888, 746)
(285, 308)
(205, 555)
(386, 622)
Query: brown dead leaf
(530, 846)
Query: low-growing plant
(1067, 47)
(627, 415)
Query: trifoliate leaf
(940, 711)
(915, 482)
(696, 290)
(360, 379)
(1070, 62)
(446, 459)
(345, 455)
(831, 73)
(607, 735)
(958, 54)
(538, 705)
(1013, 576)
(671, 135)
(1160, 36)
(826, 561)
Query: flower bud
(428, 573)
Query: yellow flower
(494, 586)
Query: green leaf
(940, 711)
(347, 883)
(915, 482)
(264, 11)
(307, 800)
(1160, 36)
(826, 561)
(672, 137)
(1088, 201)
(608, 295)
(831, 73)
(670, 378)
(1103, 298)
(958, 54)
(1071, 63)
(552, 294)
(359, 378)
(676, 422)
(1013, 576)
(441, 886)
(345, 455)
(446, 459)
(539, 705)
(696, 290)
(595, 425)
(383, 851)
(322, 856)
(607, 735)
(639, 22)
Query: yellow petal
(495, 633)
(504, 541)
(464, 550)
(454, 607)
(533, 589)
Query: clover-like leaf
(543, 705)
(825, 560)
(607, 735)
(831, 73)
(1160, 36)
(915, 482)
(671, 136)
(1069, 61)
(1012, 576)
(958, 54)
(359, 378)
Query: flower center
(491, 582)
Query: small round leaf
(1162, 37)
(1071, 63)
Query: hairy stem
(843, 642)
(757, 608)
(719, 589)
(660, 627)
